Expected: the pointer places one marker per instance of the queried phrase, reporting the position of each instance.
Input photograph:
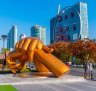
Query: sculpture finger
(12, 67)
(16, 46)
(26, 44)
(32, 45)
(12, 70)
(31, 50)
(47, 49)
(20, 45)
(39, 45)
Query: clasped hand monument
(33, 50)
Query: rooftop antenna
(58, 8)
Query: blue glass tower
(39, 32)
(12, 38)
(70, 24)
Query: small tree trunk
(85, 69)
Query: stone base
(34, 74)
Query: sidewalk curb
(65, 79)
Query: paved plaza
(31, 83)
(68, 86)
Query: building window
(59, 18)
(69, 38)
(74, 28)
(72, 14)
(75, 36)
(65, 17)
(61, 30)
(62, 37)
(67, 28)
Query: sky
(26, 13)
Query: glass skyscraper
(70, 24)
(12, 38)
(39, 32)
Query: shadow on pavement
(5, 72)
(34, 74)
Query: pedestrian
(90, 70)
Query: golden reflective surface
(34, 50)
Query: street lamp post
(3, 37)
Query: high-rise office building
(70, 24)
(12, 38)
(22, 36)
(39, 32)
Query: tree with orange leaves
(85, 50)
(61, 50)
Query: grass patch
(7, 88)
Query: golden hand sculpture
(34, 50)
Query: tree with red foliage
(61, 50)
(85, 50)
